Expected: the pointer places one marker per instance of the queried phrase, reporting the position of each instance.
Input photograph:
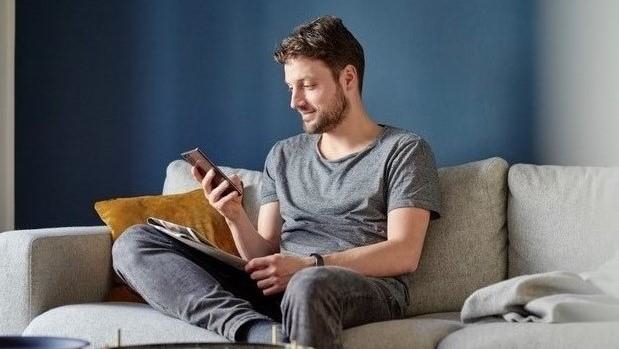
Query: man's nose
(297, 100)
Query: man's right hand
(229, 206)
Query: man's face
(315, 94)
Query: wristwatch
(319, 260)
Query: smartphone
(196, 157)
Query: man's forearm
(248, 242)
(387, 258)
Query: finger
(196, 173)
(228, 197)
(216, 194)
(273, 290)
(207, 181)
(236, 180)
(257, 263)
(261, 274)
(266, 283)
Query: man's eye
(310, 86)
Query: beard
(332, 115)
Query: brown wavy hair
(327, 39)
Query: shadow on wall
(578, 81)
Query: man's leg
(186, 284)
(320, 302)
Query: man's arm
(406, 231)
(265, 240)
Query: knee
(310, 285)
(128, 245)
(309, 279)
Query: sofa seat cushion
(98, 323)
(418, 332)
(502, 334)
(140, 324)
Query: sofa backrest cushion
(561, 218)
(466, 248)
(179, 180)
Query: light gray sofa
(498, 222)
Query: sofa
(499, 221)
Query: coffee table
(31, 342)
(212, 346)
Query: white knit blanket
(553, 297)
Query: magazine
(189, 237)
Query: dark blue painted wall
(109, 92)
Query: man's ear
(348, 77)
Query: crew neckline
(376, 140)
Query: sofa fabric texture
(562, 218)
(45, 268)
(141, 324)
(508, 335)
(466, 248)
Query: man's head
(323, 64)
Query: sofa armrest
(44, 268)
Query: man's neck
(355, 132)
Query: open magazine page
(192, 239)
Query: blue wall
(109, 92)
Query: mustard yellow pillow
(190, 209)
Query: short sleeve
(413, 178)
(268, 191)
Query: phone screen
(196, 157)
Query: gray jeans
(315, 308)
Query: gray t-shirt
(334, 205)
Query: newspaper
(191, 238)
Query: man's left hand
(273, 272)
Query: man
(344, 211)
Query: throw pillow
(190, 209)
